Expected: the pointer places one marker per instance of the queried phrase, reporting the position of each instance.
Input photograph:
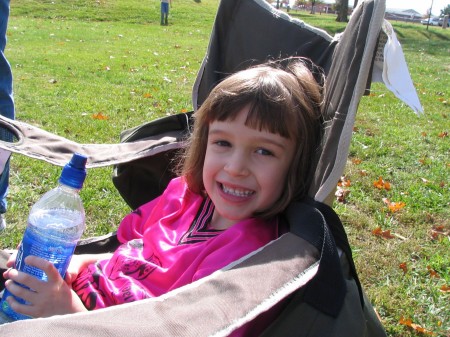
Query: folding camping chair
(307, 273)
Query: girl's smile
(245, 169)
(236, 191)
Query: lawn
(87, 70)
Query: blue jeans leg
(6, 97)
(164, 13)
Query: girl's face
(244, 170)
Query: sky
(420, 6)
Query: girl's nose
(236, 165)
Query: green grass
(72, 60)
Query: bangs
(269, 105)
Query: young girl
(251, 153)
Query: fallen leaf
(356, 161)
(403, 267)
(438, 231)
(363, 173)
(147, 95)
(393, 206)
(344, 182)
(445, 288)
(341, 194)
(415, 327)
(384, 234)
(443, 134)
(433, 273)
(183, 110)
(100, 116)
(381, 184)
(424, 134)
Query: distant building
(402, 14)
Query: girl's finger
(20, 308)
(46, 266)
(11, 259)
(19, 291)
(20, 277)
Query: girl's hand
(77, 264)
(54, 297)
(11, 259)
(80, 262)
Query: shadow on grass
(323, 22)
(409, 31)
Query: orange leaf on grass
(99, 116)
(433, 273)
(381, 184)
(415, 327)
(344, 182)
(147, 95)
(363, 173)
(393, 206)
(356, 161)
(443, 134)
(439, 230)
(381, 233)
(403, 267)
(445, 288)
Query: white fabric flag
(390, 68)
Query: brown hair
(284, 98)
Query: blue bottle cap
(74, 173)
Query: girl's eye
(222, 143)
(264, 152)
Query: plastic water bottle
(55, 224)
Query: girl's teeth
(236, 192)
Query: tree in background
(303, 4)
(342, 10)
(445, 11)
(313, 5)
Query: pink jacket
(164, 247)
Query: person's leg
(164, 12)
(6, 102)
(166, 22)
